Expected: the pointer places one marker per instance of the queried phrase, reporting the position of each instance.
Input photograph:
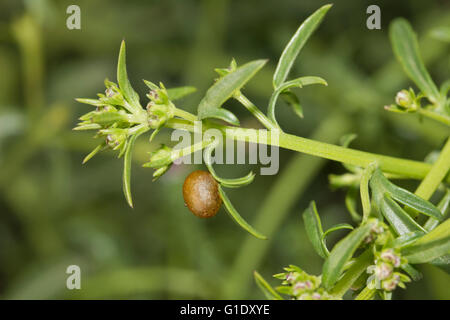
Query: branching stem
(404, 167)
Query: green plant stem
(437, 173)
(185, 115)
(255, 111)
(407, 168)
(435, 116)
(366, 294)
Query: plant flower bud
(160, 158)
(388, 255)
(383, 270)
(403, 98)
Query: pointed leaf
(424, 252)
(441, 231)
(97, 149)
(268, 291)
(292, 100)
(350, 202)
(364, 189)
(337, 227)
(299, 82)
(314, 229)
(221, 114)
(224, 182)
(357, 269)
(406, 239)
(403, 196)
(442, 263)
(443, 207)
(224, 89)
(415, 274)
(180, 92)
(127, 170)
(124, 84)
(342, 253)
(296, 43)
(237, 217)
(400, 221)
(406, 49)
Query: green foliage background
(54, 212)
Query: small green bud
(403, 98)
(159, 114)
(377, 230)
(109, 92)
(291, 277)
(406, 100)
(159, 172)
(391, 283)
(160, 158)
(115, 138)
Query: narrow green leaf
(346, 139)
(87, 126)
(296, 43)
(342, 253)
(337, 227)
(415, 274)
(443, 207)
(180, 92)
(357, 269)
(292, 100)
(96, 150)
(227, 183)
(237, 217)
(405, 197)
(314, 229)
(441, 231)
(93, 102)
(424, 252)
(127, 170)
(442, 263)
(221, 114)
(406, 49)
(350, 202)
(265, 287)
(364, 189)
(406, 239)
(366, 294)
(154, 133)
(151, 85)
(108, 117)
(413, 201)
(224, 88)
(400, 221)
(124, 84)
(299, 83)
(237, 182)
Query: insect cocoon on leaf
(201, 194)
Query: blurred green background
(54, 212)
